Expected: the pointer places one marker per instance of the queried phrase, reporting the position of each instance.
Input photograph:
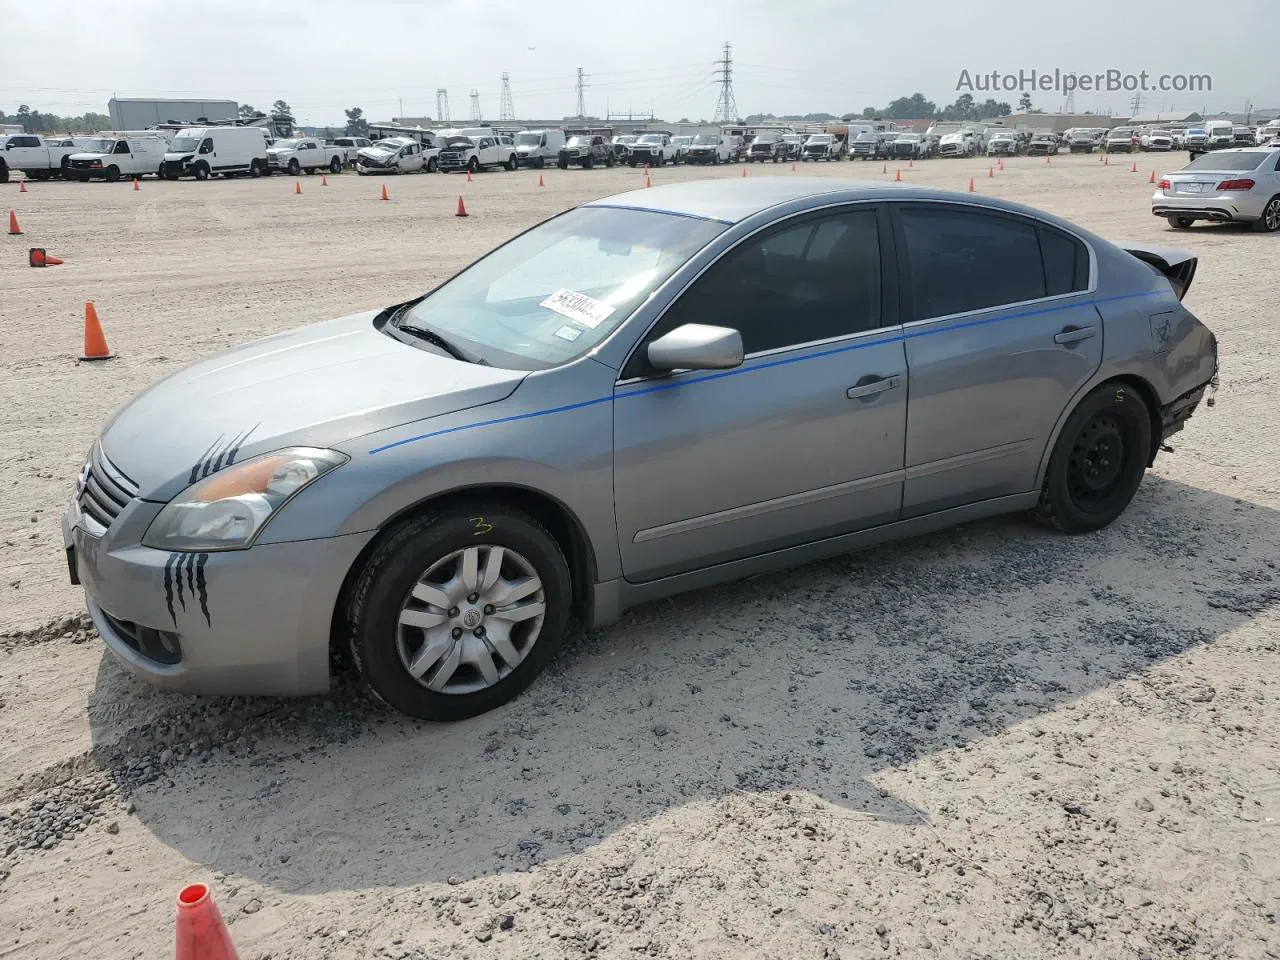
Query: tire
(1180, 223)
(473, 165)
(255, 169)
(1269, 222)
(335, 166)
(112, 174)
(382, 648)
(432, 165)
(1098, 461)
(715, 160)
(608, 160)
(4, 173)
(201, 171)
(294, 167)
(311, 170)
(512, 162)
(542, 163)
(562, 164)
(587, 163)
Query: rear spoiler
(1177, 266)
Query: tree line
(916, 107)
(37, 121)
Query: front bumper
(243, 622)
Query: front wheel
(335, 166)
(1098, 461)
(457, 612)
(201, 171)
(113, 174)
(294, 167)
(587, 163)
(473, 166)
(562, 164)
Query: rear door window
(958, 260)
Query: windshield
(819, 138)
(99, 146)
(578, 142)
(528, 139)
(598, 263)
(1195, 132)
(651, 138)
(682, 140)
(1245, 160)
(286, 144)
(184, 144)
(907, 136)
(706, 139)
(1119, 132)
(459, 142)
(1159, 133)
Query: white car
(351, 147)
(682, 145)
(709, 148)
(303, 153)
(1236, 184)
(398, 155)
(475, 153)
(655, 149)
(38, 157)
(963, 143)
(821, 146)
(113, 158)
(1157, 140)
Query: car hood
(317, 386)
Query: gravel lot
(992, 742)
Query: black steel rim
(1096, 470)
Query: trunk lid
(1176, 266)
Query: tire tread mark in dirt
(202, 586)
(168, 587)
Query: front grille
(158, 645)
(104, 490)
(86, 164)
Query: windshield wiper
(430, 336)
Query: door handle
(1070, 335)
(871, 387)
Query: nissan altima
(652, 392)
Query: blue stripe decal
(768, 364)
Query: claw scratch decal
(190, 565)
(200, 561)
(168, 586)
(218, 454)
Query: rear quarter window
(1066, 262)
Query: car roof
(734, 200)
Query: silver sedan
(652, 392)
(1225, 185)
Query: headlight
(226, 510)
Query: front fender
(553, 436)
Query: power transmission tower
(1136, 104)
(475, 105)
(582, 85)
(726, 106)
(442, 104)
(506, 109)
(1070, 106)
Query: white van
(535, 147)
(202, 152)
(113, 157)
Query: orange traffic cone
(910, 163)
(971, 188)
(1134, 168)
(201, 934)
(297, 186)
(324, 180)
(540, 183)
(1002, 163)
(14, 229)
(991, 172)
(1152, 178)
(897, 176)
(95, 344)
(1106, 161)
(646, 169)
(793, 166)
(1047, 158)
(39, 257)
(647, 181)
(462, 209)
(744, 171)
(468, 176)
(136, 181)
(22, 186)
(385, 195)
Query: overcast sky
(790, 56)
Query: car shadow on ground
(815, 680)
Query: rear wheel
(255, 169)
(1098, 461)
(457, 612)
(511, 163)
(1269, 222)
(335, 165)
(587, 163)
(1180, 223)
(4, 173)
(431, 164)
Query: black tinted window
(122, 146)
(1066, 262)
(961, 260)
(811, 281)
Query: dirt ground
(992, 742)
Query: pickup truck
(655, 149)
(821, 146)
(398, 155)
(38, 157)
(303, 153)
(586, 151)
(476, 153)
(351, 147)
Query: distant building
(136, 114)
(1181, 118)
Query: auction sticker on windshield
(578, 306)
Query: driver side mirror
(697, 346)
